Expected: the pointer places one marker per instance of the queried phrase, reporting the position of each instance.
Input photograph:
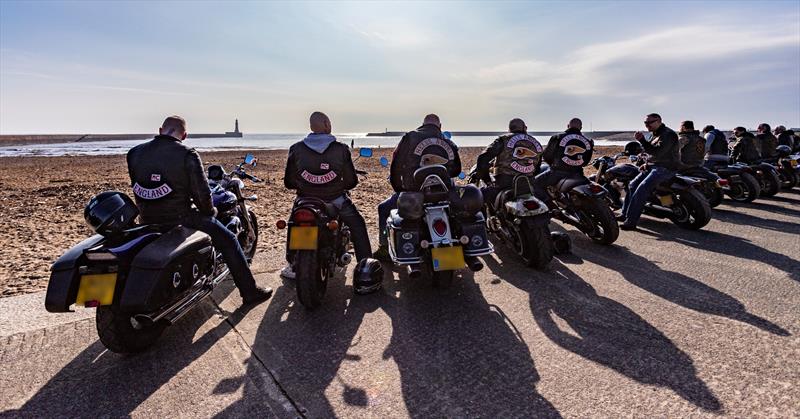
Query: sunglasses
(650, 122)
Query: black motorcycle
(582, 203)
(677, 199)
(711, 185)
(740, 184)
(767, 176)
(146, 277)
(787, 167)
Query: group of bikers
(321, 167)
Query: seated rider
(716, 148)
(693, 146)
(167, 178)
(512, 154)
(321, 167)
(567, 154)
(422, 147)
(744, 149)
(766, 142)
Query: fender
(682, 183)
(768, 167)
(64, 278)
(591, 190)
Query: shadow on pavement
(734, 217)
(607, 332)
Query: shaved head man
(174, 126)
(432, 119)
(320, 123)
(575, 123)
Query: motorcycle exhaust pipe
(414, 271)
(474, 264)
(345, 259)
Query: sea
(246, 142)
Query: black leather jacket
(767, 144)
(167, 178)
(507, 160)
(418, 148)
(693, 148)
(666, 152)
(569, 151)
(326, 175)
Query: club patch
(155, 177)
(435, 142)
(512, 142)
(319, 179)
(324, 166)
(149, 194)
(573, 153)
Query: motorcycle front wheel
(311, 283)
(772, 183)
(604, 227)
(747, 190)
(788, 178)
(693, 211)
(117, 333)
(533, 244)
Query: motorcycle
(583, 204)
(711, 185)
(677, 199)
(742, 185)
(767, 176)
(145, 277)
(787, 166)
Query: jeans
(640, 189)
(226, 243)
(350, 216)
(384, 210)
(547, 179)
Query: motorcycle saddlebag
(64, 277)
(405, 237)
(475, 230)
(165, 268)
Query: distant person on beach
(716, 147)
(167, 178)
(512, 154)
(693, 146)
(567, 154)
(423, 146)
(321, 167)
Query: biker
(716, 148)
(167, 178)
(785, 137)
(767, 142)
(321, 167)
(424, 146)
(664, 161)
(744, 147)
(512, 154)
(567, 153)
(692, 145)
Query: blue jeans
(640, 189)
(226, 243)
(350, 216)
(384, 210)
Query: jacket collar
(573, 131)
(166, 138)
(429, 128)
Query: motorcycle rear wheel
(695, 212)
(748, 190)
(772, 183)
(602, 219)
(789, 179)
(310, 282)
(716, 197)
(117, 333)
(534, 245)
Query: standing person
(767, 142)
(512, 154)
(567, 154)
(716, 148)
(692, 145)
(664, 161)
(321, 167)
(425, 145)
(167, 178)
(744, 148)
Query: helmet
(633, 148)
(783, 150)
(466, 200)
(562, 243)
(110, 212)
(367, 276)
(216, 172)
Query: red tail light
(440, 227)
(280, 224)
(531, 205)
(303, 216)
(722, 182)
(595, 188)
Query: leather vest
(520, 155)
(694, 149)
(573, 151)
(719, 145)
(768, 143)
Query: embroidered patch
(324, 166)
(434, 141)
(318, 179)
(529, 168)
(155, 177)
(155, 193)
(524, 137)
(431, 159)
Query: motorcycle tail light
(303, 216)
(440, 227)
(594, 188)
(531, 205)
(333, 225)
(92, 303)
(281, 224)
(722, 182)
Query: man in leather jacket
(767, 142)
(664, 161)
(785, 137)
(167, 178)
(716, 148)
(567, 154)
(321, 167)
(693, 146)
(512, 154)
(422, 147)
(744, 148)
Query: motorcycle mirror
(250, 159)
(447, 135)
(462, 176)
(384, 161)
(365, 152)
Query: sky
(121, 67)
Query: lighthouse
(235, 132)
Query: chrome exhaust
(474, 264)
(414, 271)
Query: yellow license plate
(666, 200)
(303, 238)
(793, 163)
(97, 287)
(447, 258)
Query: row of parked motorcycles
(146, 277)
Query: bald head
(575, 123)
(174, 126)
(517, 126)
(432, 119)
(320, 123)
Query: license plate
(97, 287)
(793, 163)
(303, 238)
(666, 200)
(447, 258)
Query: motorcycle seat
(568, 183)
(317, 203)
(700, 172)
(170, 246)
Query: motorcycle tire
(789, 179)
(250, 251)
(748, 190)
(117, 333)
(696, 212)
(602, 219)
(534, 245)
(772, 184)
(310, 282)
(716, 197)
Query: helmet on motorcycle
(215, 172)
(466, 200)
(367, 276)
(110, 212)
(562, 243)
(783, 150)
(633, 148)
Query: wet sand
(42, 201)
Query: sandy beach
(41, 208)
